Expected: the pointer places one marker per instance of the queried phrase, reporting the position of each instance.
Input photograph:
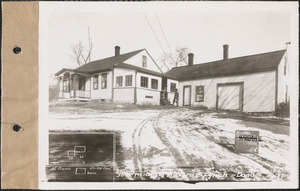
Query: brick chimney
(225, 51)
(191, 59)
(117, 50)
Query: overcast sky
(202, 27)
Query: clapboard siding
(259, 91)
(102, 93)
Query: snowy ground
(180, 144)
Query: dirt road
(181, 144)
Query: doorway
(186, 95)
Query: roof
(62, 70)
(114, 61)
(106, 63)
(234, 66)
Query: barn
(255, 83)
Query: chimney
(191, 59)
(225, 51)
(117, 50)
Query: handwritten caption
(214, 174)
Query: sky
(202, 27)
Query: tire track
(137, 153)
(181, 163)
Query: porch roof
(71, 71)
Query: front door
(186, 95)
(81, 83)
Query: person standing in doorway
(176, 96)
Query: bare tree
(179, 58)
(79, 54)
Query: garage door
(230, 96)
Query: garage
(230, 96)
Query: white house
(132, 78)
(256, 83)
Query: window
(128, 80)
(145, 61)
(154, 84)
(144, 82)
(199, 93)
(104, 81)
(119, 81)
(66, 86)
(95, 79)
(173, 87)
(285, 63)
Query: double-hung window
(95, 82)
(144, 82)
(154, 84)
(119, 81)
(128, 80)
(104, 81)
(285, 65)
(144, 61)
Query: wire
(154, 33)
(163, 32)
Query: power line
(154, 33)
(163, 32)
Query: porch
(74, 86)
(78, 94)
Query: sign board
(246, 141)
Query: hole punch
(17, 50)
(16, 127)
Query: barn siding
(283, 81)
(259, 91)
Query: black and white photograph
(168, 92)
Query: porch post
(74, 87)
(135, 96)
(62, 93)
(60, 87)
